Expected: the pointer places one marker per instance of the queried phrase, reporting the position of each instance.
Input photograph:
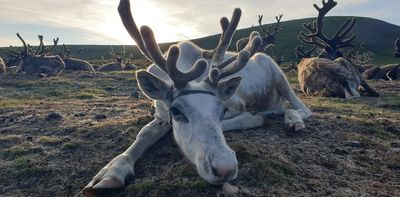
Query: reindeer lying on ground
(330, 74)
(2, 66)
(369, 71)
(117, 64)
(199, 94)
(38, 62)
(72, 63)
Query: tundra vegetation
(57, 132)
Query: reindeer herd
(200, 93)
(49, 61)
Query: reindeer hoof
(295, 127)
(106, 185)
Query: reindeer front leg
(116, 174)
(243, 121)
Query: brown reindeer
(72, 63)
(396, 53)
(329, 74)
(269, 34)
(37, 62)
(117, 64)
(387, 72)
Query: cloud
(98, 22)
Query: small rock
(29, 137)
(79, 115)
(229, 190)
(100, 117)
(53, 116)
(355, 144)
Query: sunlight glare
(144, 13)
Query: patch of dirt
(349, 148)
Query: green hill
(378, 36)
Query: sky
(98, 22)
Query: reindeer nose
(224, 170)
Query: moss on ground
(19, 150)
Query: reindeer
(129, 63)
(369, 71)
(118, 63)
(330, 74)
(199, 94)
(386, 72)
(72, 63)
(38, 62)
(396, 53)
(2, 66)
(268, 39)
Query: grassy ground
(56, 133)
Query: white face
(196, 120)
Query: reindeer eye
(178, 115)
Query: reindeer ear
(227, 88)
(152, 86)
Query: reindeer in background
(72, 63)
(329, 74)
(396, 53)
(199, 94)
(370, 71)
(2, 66)
(37, 62)
(117, 64)
(270, 34)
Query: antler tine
(125, 13)
(41, 45)
(346, 43)
(301, 53)
(240, 62)
(208, 54)
(311, 41)
(24, 52)
(260, 18)
(47, 50)
(152, 47)
(253, 45)
(225, 41)
(179, 78)
(113, 52)
(278, 28)
(77, 53)
(224, 26)
(144, 38)
(345, 28)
